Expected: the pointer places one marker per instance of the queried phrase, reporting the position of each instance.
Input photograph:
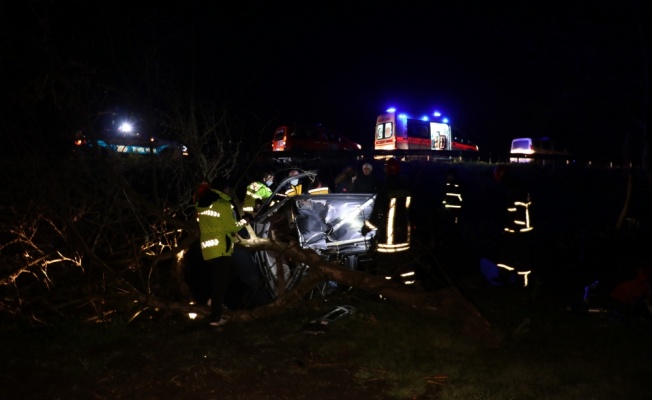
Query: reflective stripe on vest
(389, 246)
(520, 225)
(209, 243)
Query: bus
(398, 131)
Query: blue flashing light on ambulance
(399, 131)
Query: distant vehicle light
(425, 118)
(436, 114)
(391, 110)
(402, 116)
(445, 120)
(126, 127)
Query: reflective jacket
(391, 217)
(293, 190)
(256, 192)
(217, 223)
(453, 197)
(519, 214)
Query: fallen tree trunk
(447, 303)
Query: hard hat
(500, 172)
(392, 167)
(201, 190)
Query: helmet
(392, 167)
(201, 190)
(500, 173)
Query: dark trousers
(222, 275)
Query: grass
(382, 351)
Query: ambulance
(399, 131)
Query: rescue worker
(514, 261)
(446, 221)
(294, 188)
(452, 203)
(257, 192)
(217, 225)
(390, 218)
(449, 224)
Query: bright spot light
(402, 116)
(180, 256)
(425, 118)
(436, 114)
(444, 120)
(192, 315)
(126, 127)
(391, 110)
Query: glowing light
(192, 315)
(126, 127)
(180, 255)
(425, 118)
(436, 114)
(391, 110)
(402, 116)
(445, 120)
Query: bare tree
(87, 233)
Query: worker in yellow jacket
(218, 225)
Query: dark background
(574, 71)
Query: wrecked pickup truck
(329, 224)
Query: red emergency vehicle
(310, 138)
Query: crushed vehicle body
(329, 224)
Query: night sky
(570, 70)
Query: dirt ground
(183, 360)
